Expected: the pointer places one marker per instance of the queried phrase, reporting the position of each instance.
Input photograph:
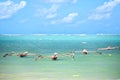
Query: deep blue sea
(85, 67)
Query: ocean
(93, 66)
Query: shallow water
(85, 67)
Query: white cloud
(48, 13)
(8, 8)
(105, 10)
(56, 1)
(60, 1)
(67, 19)
(51, 12)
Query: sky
(59, 16)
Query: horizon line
(61, 34)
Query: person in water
(38, 57)
(108, 48)
(23, 54)
(54, 56)
(9, 54)
(85, 51)
(72, 55)
(5, 55)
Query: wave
(11, 34)
(82, 35)
(59, 34)
(106, 34)
(83, 42)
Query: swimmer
(72, 55)
(38, 57)
(23, 54)
(85, 51)
(8, 54)
(108, 48)
(54, 56)
(5, 55)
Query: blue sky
(59, 16)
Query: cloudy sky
(59, 16)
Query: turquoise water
(84, 67)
